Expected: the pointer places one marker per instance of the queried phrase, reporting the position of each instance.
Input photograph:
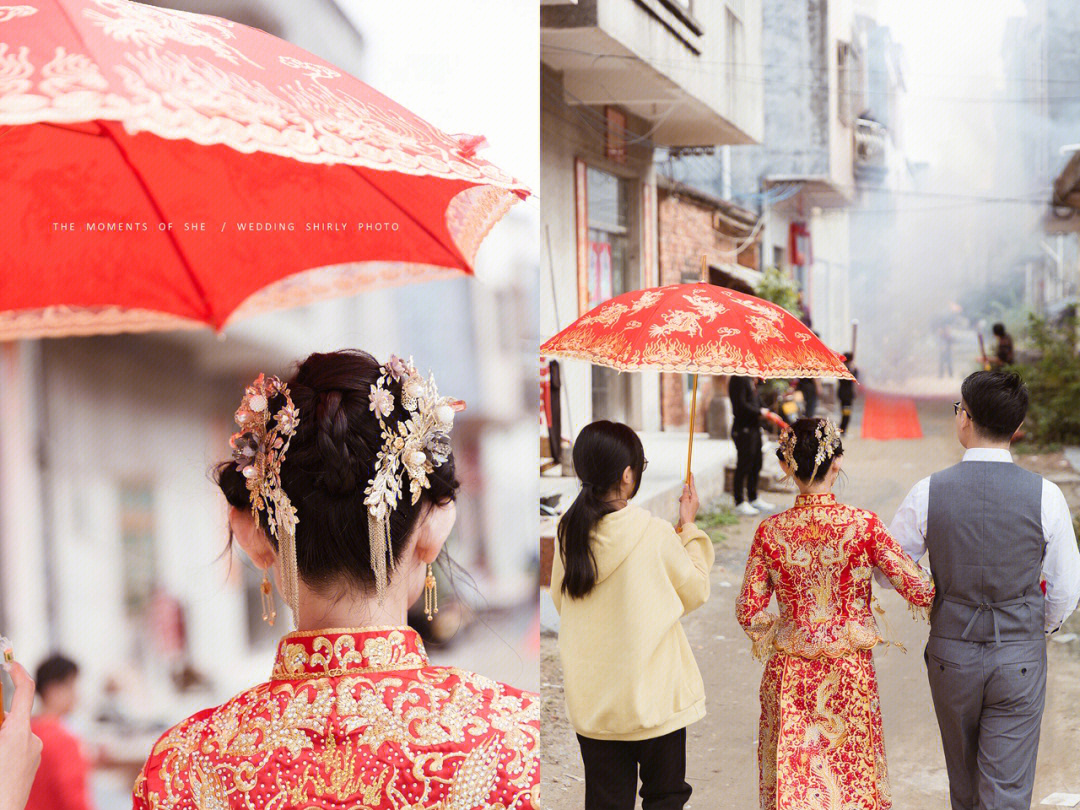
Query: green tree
(780, 288)
(1051, 370)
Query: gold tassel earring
(269, 612)
(431, 594)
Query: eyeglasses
(957, 407)
(645, 465)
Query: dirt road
(721, 759)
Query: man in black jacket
(746, 433)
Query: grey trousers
(989, 704)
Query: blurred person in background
(747, 412)
(1004, 351)
(810, 388)
(62, 781)
(20, 748)
(621, 581)
(341, 489)
(845, 392)
(945, 351)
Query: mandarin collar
(816, 499)
(335, 652)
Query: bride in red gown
(820, 743)
(342, 491)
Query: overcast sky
(953, 51)
(466, 67)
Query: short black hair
(999, 329)
(54, 670)
(996, 401)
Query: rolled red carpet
(890, 417)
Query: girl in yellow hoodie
(621, 581)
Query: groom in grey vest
(995, 532)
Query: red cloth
(61, 782)
(890, 417)
(353, 719)
(820, 733)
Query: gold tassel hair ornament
(259, 449)
(416, 444)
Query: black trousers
(747, 463)
(845, 414)
(612, 768)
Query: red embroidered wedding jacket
(353, 719)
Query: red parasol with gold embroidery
(696, 329)
(161, 169)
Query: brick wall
(685, 231)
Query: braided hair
(330, 462)
(804, 448)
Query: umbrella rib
(453, 251)
(200, 290)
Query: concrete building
(804, 172)
(801, 178)
(1039, 134)
(620, 78)
(691, 224)
(883, 176)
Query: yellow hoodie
(628, 671)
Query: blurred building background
(111, 531)
(757, 133)
(621, 79)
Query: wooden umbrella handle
(693, 397)
(693, 416)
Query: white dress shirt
(1061, 565)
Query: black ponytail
(602, 451)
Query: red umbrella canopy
(699, 329)
(160, 168)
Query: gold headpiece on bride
(417, 444)
(828, 440)
(259, 448)
(787, 450)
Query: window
(609, 214)
(137, 545)
(844, 89)
(611, 273)
(733, 57)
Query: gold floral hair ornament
(828, 439)
(416, 444)
(787, 450)
(259, 449)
